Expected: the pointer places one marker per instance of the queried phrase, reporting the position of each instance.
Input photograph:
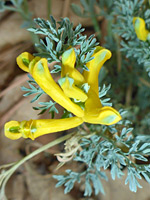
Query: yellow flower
(140, 28)
(35, 128)
(69, 95)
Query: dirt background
(33, 181)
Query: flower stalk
(5, 175)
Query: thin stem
(66, 8)
(118, 52)
(49, 3)
(31, 155)
(41, 149)
(11, 8)
(26, 15)
(144, 82)
(7, 165)
(94, 21)
(129, 94)
(96, 26)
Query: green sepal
(25, 61)
(14, 129)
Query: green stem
(48, 8)
(31, 155)
(23, 10)
(26, 15)
(96, 26)
(94, 21)
(118, 53)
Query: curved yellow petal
(42, 76)
(68, 62)
(77, 76)
(33, 62)
(98, 48)
(35, 128)
(46, 126)
(94, 66)
(107, 116)
(70, 90)
(92, 104)
(140, 28)
(23, 61)
(12, 130)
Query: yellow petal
(94, 66)
(35, 128)
(68, 62)
(70, 90)
(107, 116)
(98, 48)
(92, 104)
(42, 76)
(46, 126)
(12, 130)
(77, 76)
(33, 62)
(23, 61)
(140, 28)
(26, 129)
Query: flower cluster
(140, 29)
(69, 92)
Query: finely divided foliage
(130, 44)
(110, 147)
(57, 40)
(35, 89)
(121, 13)
(101, 152)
